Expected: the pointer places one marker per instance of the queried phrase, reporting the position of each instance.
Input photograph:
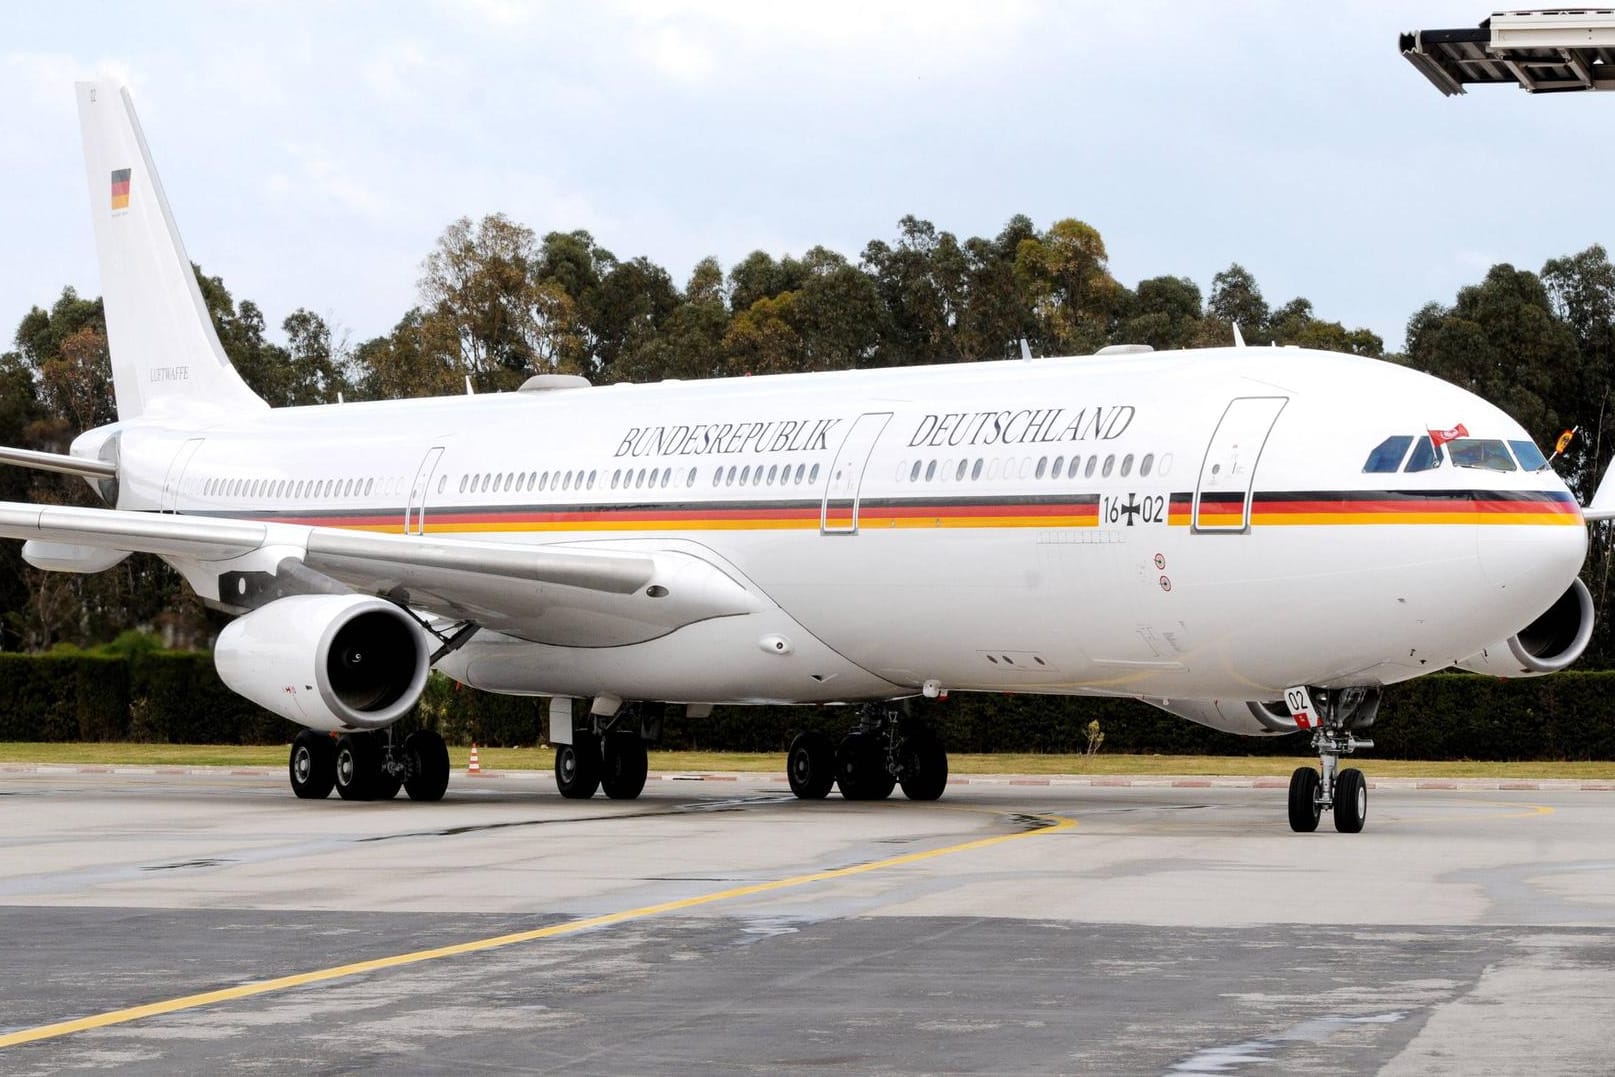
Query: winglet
(1239, 338)
(1602, 506)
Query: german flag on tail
(120, 188)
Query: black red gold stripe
(1339, 507)
(1056, 511)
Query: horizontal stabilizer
(1602, 506)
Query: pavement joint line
(58, 1029)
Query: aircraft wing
(549, 593)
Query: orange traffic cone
(474, 766)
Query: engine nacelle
(1248, 718)
(327, 661)
(1546, 645)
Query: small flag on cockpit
(1441, 437)
(1564, 442)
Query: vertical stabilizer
(166, 356)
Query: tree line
(497, 303)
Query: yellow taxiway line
(570, 927)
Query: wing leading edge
(551, 594)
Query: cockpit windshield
(1529, 456)
(1485, 453)
(1387, 455)
(1426, 455)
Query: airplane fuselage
(1191, 524)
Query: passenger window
(1059, 466)
(1483, 453)
(963, 467)
(1093, 462)
(1145, 464)
(729, 479)
(1110, 462)
(745, 473)
(592, 476)
(757, 476)
(800, 470)
(813, 476)
(914, 472)
(1042, 466)
(616, 477)
(975, 472)
(930, 471)
(1387, 455)
(1127, 465)
(773, 473)
(691, 480)
(717, 476)
(566, 481)
(1529, 456)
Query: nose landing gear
(1341, 712)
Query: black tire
(1304, 810)
(925, 767)
(861, 768)
(1351, 801)
(624, 766)
(358, 766)
(428, 760)
(577, 767)
(811, 766)
(312, 765)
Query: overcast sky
(313, 152)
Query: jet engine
(1546, 645)
(327, 661)
(1248, 718)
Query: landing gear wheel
(624, 766)
(312, 765)
(1351, 801)
(358, 766)
(811, 766)
(577, 766)
(925, 767)
(428, 760)
(1304, 810)
(861, 768)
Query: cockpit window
(1529, 456)
(1482, 453)
(1387, 455)
(1425, 456)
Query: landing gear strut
(885, 749)
(1342, 712)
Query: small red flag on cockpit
(1441, 437)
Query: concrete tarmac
(722, 926)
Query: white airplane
(1258, 540)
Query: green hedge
(176, 697)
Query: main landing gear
(885, 750)
(609, 754)
(1342, 712)
(368, 766)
